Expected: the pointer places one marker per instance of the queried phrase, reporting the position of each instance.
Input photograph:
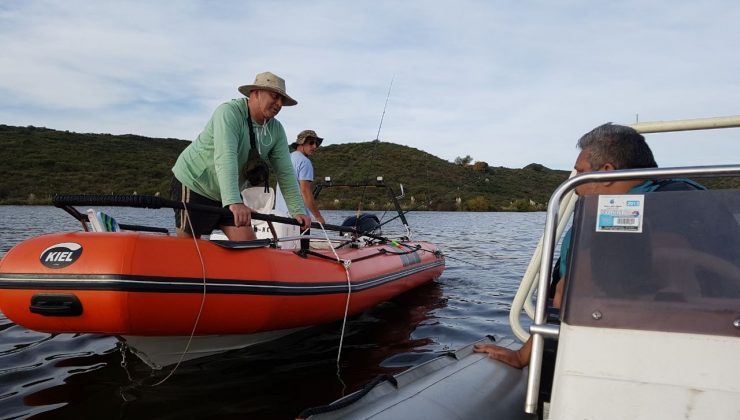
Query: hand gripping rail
(540, 328)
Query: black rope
(382, 251)
(329, 257)
(411, 250)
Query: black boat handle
(55, 304)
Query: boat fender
(55, 304)
(345, 402)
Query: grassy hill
(40, 162)
(428, 178)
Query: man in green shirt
(211, 170)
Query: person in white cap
(305, 145)
(228, 153)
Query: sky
(506, 82)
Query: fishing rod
(403, 213)
(408, 231)
(377, 136)
(372, 157)
(380, 125)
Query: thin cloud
(509, 84)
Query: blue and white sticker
(61, 255)
(620, 213)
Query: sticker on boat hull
(61, 255)
(620, 213)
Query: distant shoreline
(41, 162)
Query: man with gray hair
(607, 147)
(229, 152)
(619, 145)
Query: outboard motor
(364, 223)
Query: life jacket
(678, 184)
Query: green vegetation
(433, 183)
(40, 162)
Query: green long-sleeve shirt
(210, 166)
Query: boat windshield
(680, 273)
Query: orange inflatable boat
(141, 284)
(136, 284)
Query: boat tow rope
(202, 300)
(464, 261)
(346, 264)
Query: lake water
(87, 376)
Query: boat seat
(102, 222)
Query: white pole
(685, 125)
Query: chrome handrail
(548, 245)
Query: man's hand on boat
(304, 220)
(242, 214)
(517, 359)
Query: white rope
(346, 264)
(202, 300)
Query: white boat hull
(161, 351)
(645, 375)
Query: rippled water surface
(87, 376)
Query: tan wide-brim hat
(271, 82)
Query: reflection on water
(86, 376)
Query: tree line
(40, 162)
